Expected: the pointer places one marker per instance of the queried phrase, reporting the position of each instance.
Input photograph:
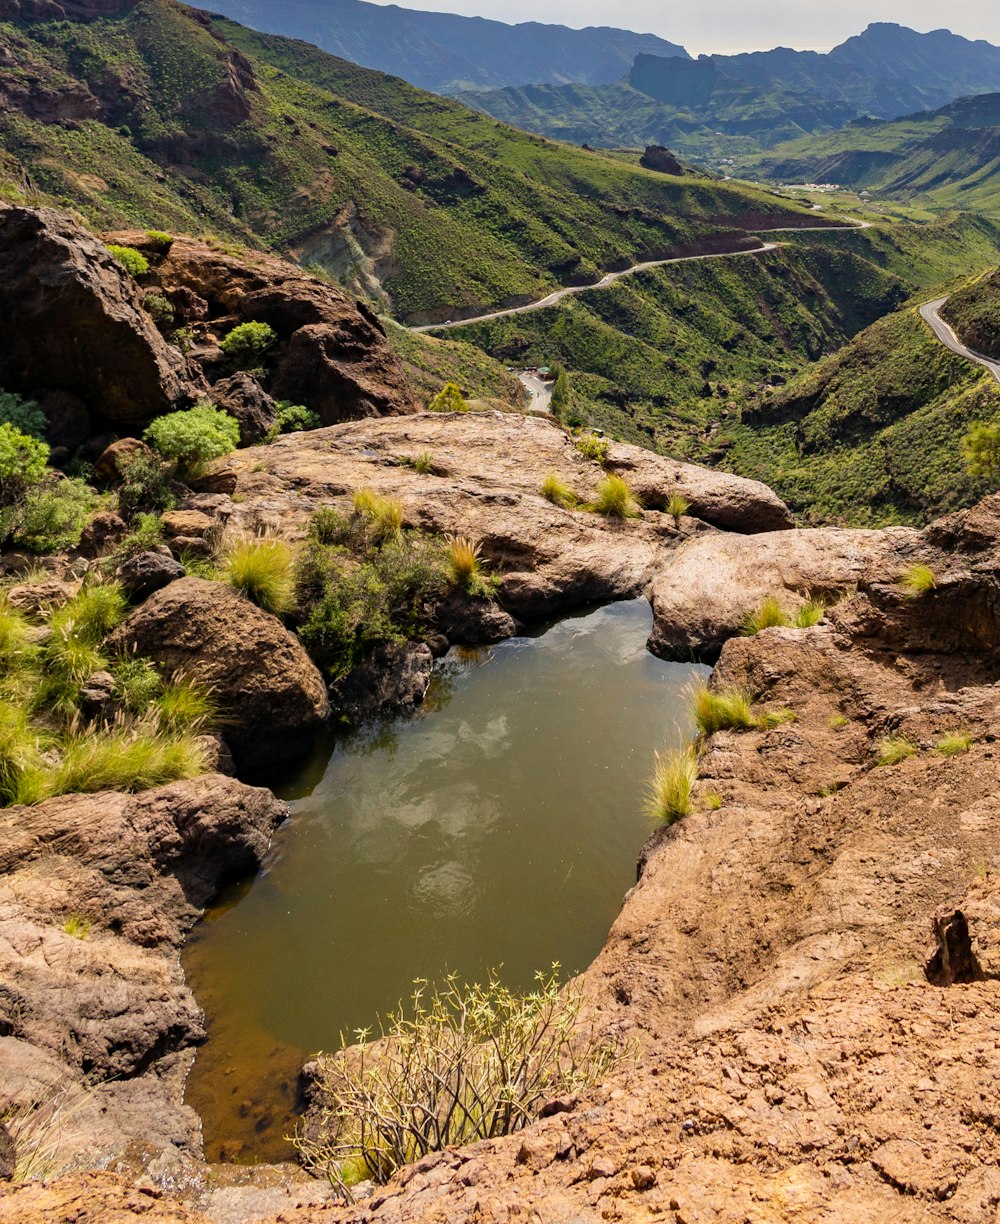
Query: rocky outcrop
(656, 157)
(332, 353)
(271, 698)
(488, 472)
(96, 895)
(60, 283)
(244, 399)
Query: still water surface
(499, 825)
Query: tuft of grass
(127, 757)
(382, 516)
(558, 492)
(21, 769)
(770, 615)
(76, 926)
(671, 788)
(677, 507)
(262, 569)
(137, 684)
(728, 709)
(92, 614)
(917, 580)
(808, 615)
(837, 721)
(895, 748)
(185, 706)
(713, 801)
(464, 561)
(422, 463)
(614, 498)
(775, 718)
(16, 651)
(954, 744)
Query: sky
(734, 25)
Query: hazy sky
(734, 25)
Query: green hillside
(163, 116)
(974, 312)
(947, 158)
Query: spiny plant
(559, 493)
(262, 569)
(615, 499)
(382, 516)
(917, 580)
(671, 789)
(895, 748)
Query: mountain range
(446, 53)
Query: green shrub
(981, 448)
(672, 785)
(22, 463)
(145, 486)
(895, 748)
(159, 240)
(561, 403)
(448, 399)
(593, 447)
(728, 709)
(328, 526)
(261, 569)
(558, 492)
(52, 516)
(462, 1064)
(917, 580)
(677, 507)
(296, 418)
(146, 534)
(133, 261)
(194, 437)
(160, 310)
(24, 415)
(955, 744)
(137, 684)
(247, 343)
(614, 498)
(382, 516)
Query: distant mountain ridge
(445, 52)
(735, 104)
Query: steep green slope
(947, 158)
(974, 312)
(871, 435)
(162, 116)
(444, 52)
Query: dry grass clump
(771, 615)
(671, 789)
(262, 569)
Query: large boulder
(75, 322)
(272, 698)
(248, 403)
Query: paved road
(539, 391)
(611, 277)
(931, 314)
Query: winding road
(931, 315)
(572, 290)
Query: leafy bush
(382, 516)
(137, 684)
(917, 581)
(558, 492)
(448, 399)
(296, 418)
(247, 343)
(895, 748)
(328, 526)
(24, 415)
(463, 1063)
(159, 240)
(133, 261)
(261, 569)
(672, 786)
(51, 517)
(593, 447)
(614, 498)
(22, 463)
(145, 487)
(159, 309)
(194, 437)
(146, 534)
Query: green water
(497, 826)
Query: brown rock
(244, 399)
(108, 467)
(60, 283)
(270, 693)
(68, 421)
(186, 523)
(102, 533)
(656, 157)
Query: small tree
(22, 463)
(247, 343)
(562, 394)
(194, 437)
(449, 399)
(981, 447)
